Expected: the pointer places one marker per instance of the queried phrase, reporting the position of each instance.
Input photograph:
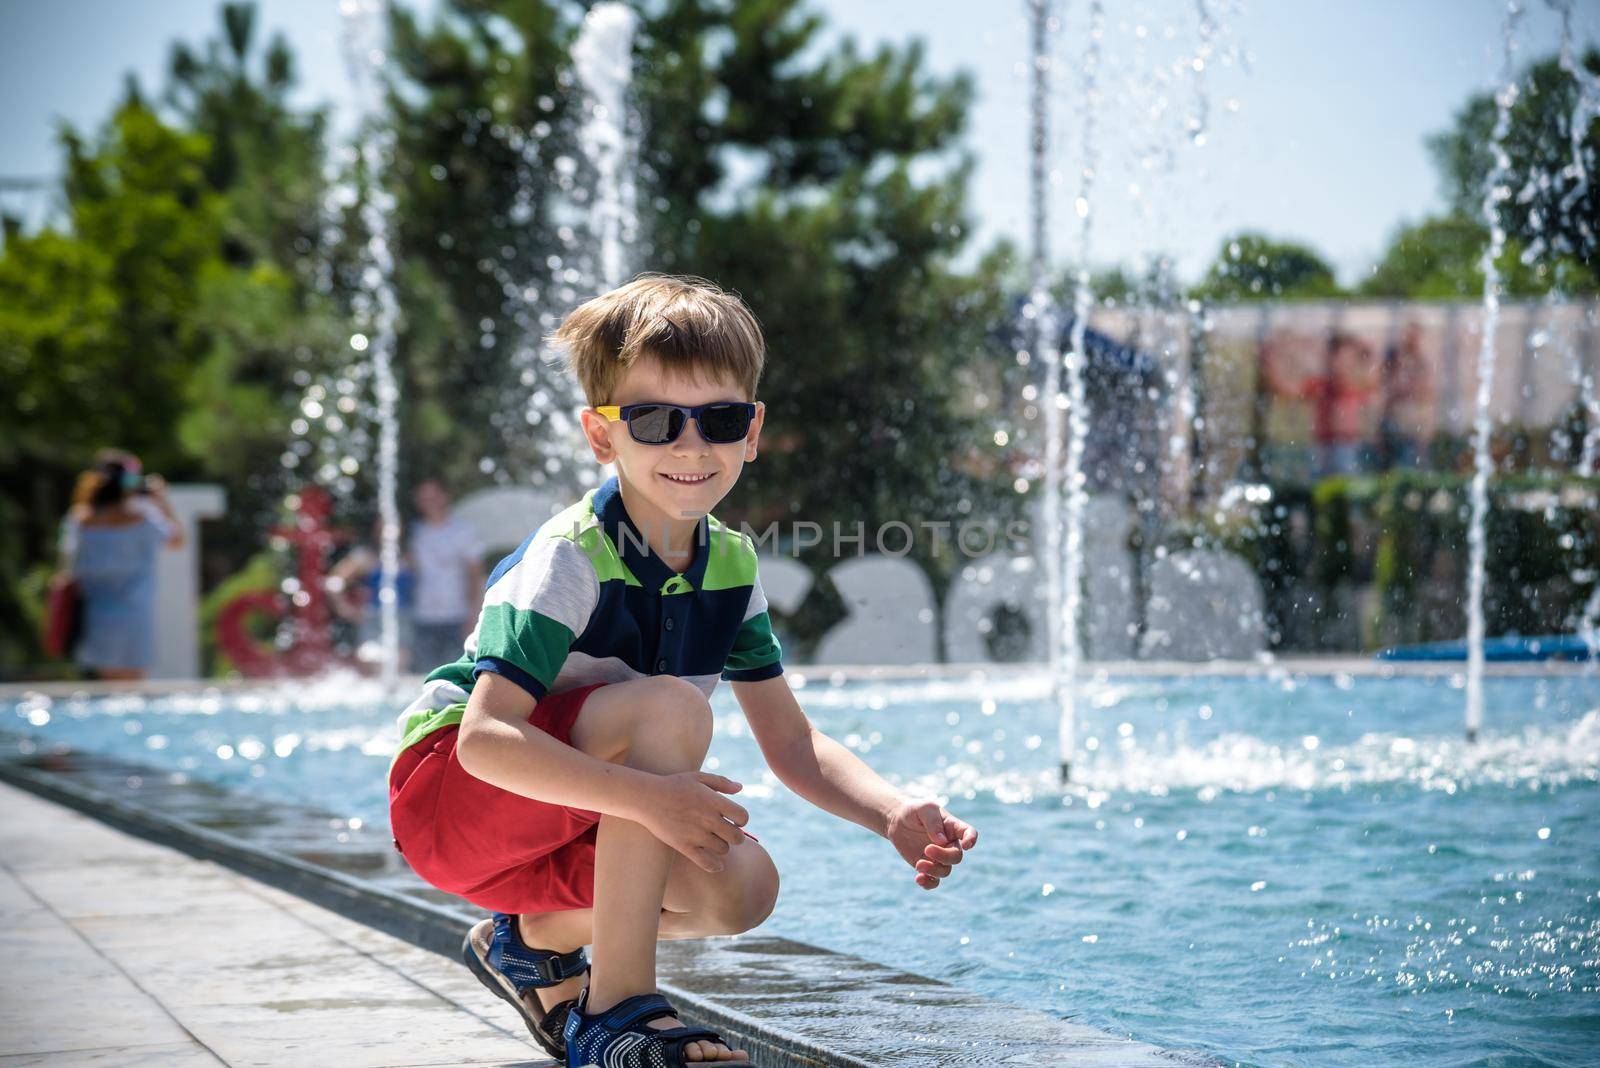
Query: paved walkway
(116, 951)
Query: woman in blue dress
(112, 540)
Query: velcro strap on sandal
(557, 969)
(686, 1035)
(641, 1008)
(527, 967)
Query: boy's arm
(834, 779)
(498, 745)
(810, 763)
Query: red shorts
(501, 851)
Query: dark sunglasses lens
(655, 424)
(724, 423)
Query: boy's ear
(752, 440)
(597, 429)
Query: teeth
(688, 479)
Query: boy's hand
(690, 814)
(929, 838)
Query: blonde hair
(691, 326)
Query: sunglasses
(721, 423)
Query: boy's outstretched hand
(930, 839)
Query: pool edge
(438, 928)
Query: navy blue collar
(651, 571)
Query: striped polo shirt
(585, 600)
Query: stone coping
(790, 1004)
(121, 951)
(840, 674)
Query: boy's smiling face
(670, 486)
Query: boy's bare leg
(698, 904)
(660, 724)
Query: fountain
(1066, 406)
(1257, 787)
(1046, 344)
(364, 27)
(602, 56)
(603, 60)
(1495, 190)
(1077, 407)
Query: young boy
(551, 774)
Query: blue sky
(1325, 145)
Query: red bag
(63, 615)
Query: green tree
(266, 156)
(193, 286)
(1438, 258)
(1546, 213)
(840, 230)
(792, 174)
(489, 196)
(1442, 259)
(1252, 266)
(96, 340)
(275, 314)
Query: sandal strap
(554, 1022)
(629, 1017)
(558, 968)
(527, 967)
(639, 1009)
(682, 1036)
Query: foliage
(1544, 213)
(839, 225)
(1438, 258)
(1405, 534)
(172, 308)
(1252, 266)
(1441, 258)
(211, 242)
(484, 111)
(826, 186)
(274, 312)
(1542, 531)
(79, 310)
(96, 332)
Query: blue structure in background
(1503, 650)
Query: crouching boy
(552, 774)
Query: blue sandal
(496, 954)
(621, 1038)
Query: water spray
(1495, 191)
(364, 34)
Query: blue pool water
(1275, 870)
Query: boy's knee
(672, 713)
(751, 906)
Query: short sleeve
(539, 600)
(756, 654)
(159, 526)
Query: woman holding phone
(111, 540)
